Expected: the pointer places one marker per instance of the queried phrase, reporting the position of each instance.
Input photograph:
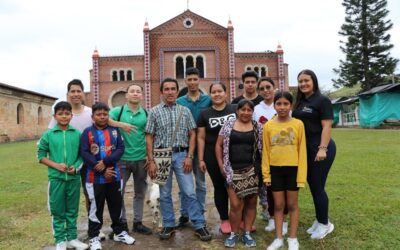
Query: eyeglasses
(265, 88)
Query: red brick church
(187, 40)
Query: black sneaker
(140, 228)
(203, 234)
(166, 233)
(182, 221)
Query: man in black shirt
(249, 79)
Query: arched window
(20, 114)
(248, 68)
(189, 62)
(256, 69)
(129, 75)
(114, 76)
(179, 72)
(118, 99)
(263, 72)
(121, 75)
(200, 65)
(40, 116)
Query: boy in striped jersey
(101, 149)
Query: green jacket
(61, 146)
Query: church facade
(187, 40)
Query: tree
(367, 46)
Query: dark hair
(217, 83)
(169, 79)
(192, 71)
(249, 73)
(245, 102)
(133, 84)
(75, 82)
(285, 94)
(63, 105)
(265, 78)
(300, 96)
(100, 106)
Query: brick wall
(171, 38)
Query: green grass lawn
(363, 186)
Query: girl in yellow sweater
(284, 165)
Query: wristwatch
(190, 156)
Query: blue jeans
(201, 189)
(186, 187)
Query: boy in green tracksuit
(59, 150)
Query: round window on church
(188, 23)
(118, 99)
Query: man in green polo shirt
(195, 101)
(134, 158)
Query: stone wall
(23, 114)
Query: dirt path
(183, 238)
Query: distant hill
(345, 91)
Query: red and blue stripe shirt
(101, 144)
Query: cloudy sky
(46, 43)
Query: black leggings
(317, 174)
(220, 193)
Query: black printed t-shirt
(213, 120)
(311, 111)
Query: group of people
(261, 145)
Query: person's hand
(221, 169)
(62, 167)
(151, 169)
(187, 165)
(202, 166)
(110, 172)
(71, 171)
(99, 167)
(128, 127)
(146, 164)
(321, 155)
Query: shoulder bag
(163, 157)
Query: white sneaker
(61, 246)
(95, 243)
(293, 244)
(285, 228)
(276, 244)
(271, 225)
(313, 227)
(322, 230)
(124, 237)
(77, 244)
(102, 236)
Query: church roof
(16, 89)
(186, 21)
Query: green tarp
(376, 108)
(336, 111)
